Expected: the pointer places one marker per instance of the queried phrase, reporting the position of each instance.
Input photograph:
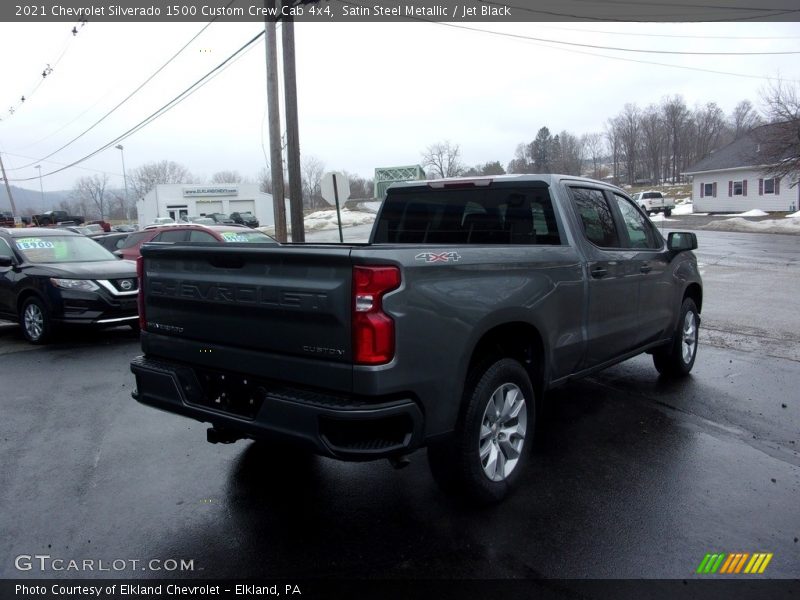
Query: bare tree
(743, 119)
(227, 177)
(571, 153)
(264, 181)
(676, 117)
(146, 177)
(359, 187)
(443, 158)
(91, 192)
(780, 141)
(614, 137)
(521, 163)
(311, 171)
(593, 148)
(709, 127)
(630, 122)
(653, 143)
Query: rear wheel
(667, 212)
(37, 326)
(485, 456)
(677, 359)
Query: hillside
(30, 201)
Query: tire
(37, 326)
(486, 455)
(644, 208)
(677, 359)
(667, 212)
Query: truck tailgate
(290, 301)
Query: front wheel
(677, 359)
(37, 327)
(486, 455)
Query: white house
(179, 200)
(732, 179)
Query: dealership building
(180, 200)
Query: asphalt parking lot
(633, 476)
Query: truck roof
(485, 180)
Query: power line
(764, 13)
(668, 35)
(165, 108)
(46, 71)
(128, 97)
(622, 58)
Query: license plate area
(232, 393)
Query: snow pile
(370, 207)
(683, 209)
(326, 219)
(794, 215)
(752, 213)
(767, 226)
(660, 218)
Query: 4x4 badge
(433, 257)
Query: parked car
(124, 228)
(654, 202)
(51, 277)
(220, 218)
(162, 221)
(244, 218)
(111, 241)
(472, 299)
(201, 220)
(53, 217)
(105, 226)
(6, 219)
(77, 229)
(129, 250)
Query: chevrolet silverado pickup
(472, 298)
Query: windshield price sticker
(232, 236)
(33, 244)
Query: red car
(191, 233)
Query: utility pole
(121, 149)
(41, 185)
(273, 106)
(8, 189)
(292, 132)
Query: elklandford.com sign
(210, 191)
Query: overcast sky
(370, 95)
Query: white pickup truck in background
(654, 202)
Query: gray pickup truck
(472, 298)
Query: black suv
(50, 277)
(245, 218)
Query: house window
(769, 186)
(708, 189)
(737, 188)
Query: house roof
(744, 152)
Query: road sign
(335, 188)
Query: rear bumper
(330, 425)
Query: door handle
(599, 272)
(645, 268)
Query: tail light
(373, 329)
(140, 295)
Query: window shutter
(714, 189)
(744, 187)
(760, 187)
(702, 188)
(730, 189)
(777, 185)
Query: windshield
(61, 249)
(246, 236)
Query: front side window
(596, 216)
(61, 249)
(246, 236)
(5, 249)
(640, 232)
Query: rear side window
(469, 216)
(137, 238)
(171, 236)
(596, 216)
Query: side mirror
(118, 253)
(681, 240)
(6, 261)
